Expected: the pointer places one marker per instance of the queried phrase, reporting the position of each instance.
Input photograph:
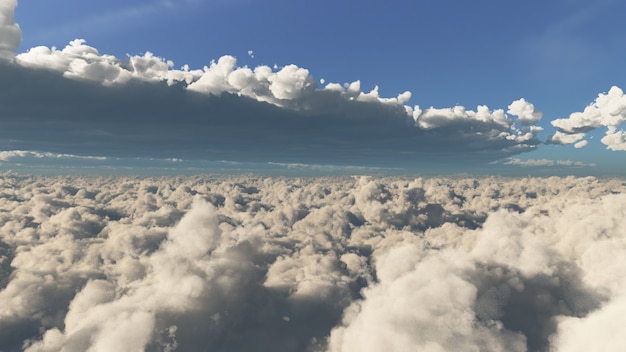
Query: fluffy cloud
(525, 112)
(229, 110)
(338, 264)
(81, 61)
(142, 107)
(608, 110)
(10, 32)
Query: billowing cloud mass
(142, 105)
(10, 32)
(608, 110)
(315, 264)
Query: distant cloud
(608, 110)
(525, 112)
(136, 104)
(13, 154)
(581, 144)
(10, 32)
(544, 163)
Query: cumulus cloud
(320, 264)
(10, 32)
(141, 106)
(276, 113)
(525, 112)
(608, 110)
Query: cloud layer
(142, 106)
(329, 264)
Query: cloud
(608, 110)
(10, 32)
(141, 106)
(545, 163)
(14, 154)
(581, 144)
(525, 112)
(339, 264)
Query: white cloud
(581, 144)
(525, 112)
(10, 32)
(614, 139)
(608, 110)
(565, 138)
(81, 61)
(311, 263)
(434, 118)
(18, 154)
(545, 163)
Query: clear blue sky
(558, 55)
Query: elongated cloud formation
(318, 264)
(143, 104)
(10, 33)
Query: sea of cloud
(219, 263)
(141, 105)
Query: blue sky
(557, 55)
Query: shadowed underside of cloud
(316, 264)
(85, 102)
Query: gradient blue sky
(558, 55)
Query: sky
(293, 86)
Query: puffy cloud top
(525, 112)
(608, 110)
(10, 32)
(331, 121)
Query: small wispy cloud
(543, 163)
(10, 155)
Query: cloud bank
(318, 264)
(102, 102)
